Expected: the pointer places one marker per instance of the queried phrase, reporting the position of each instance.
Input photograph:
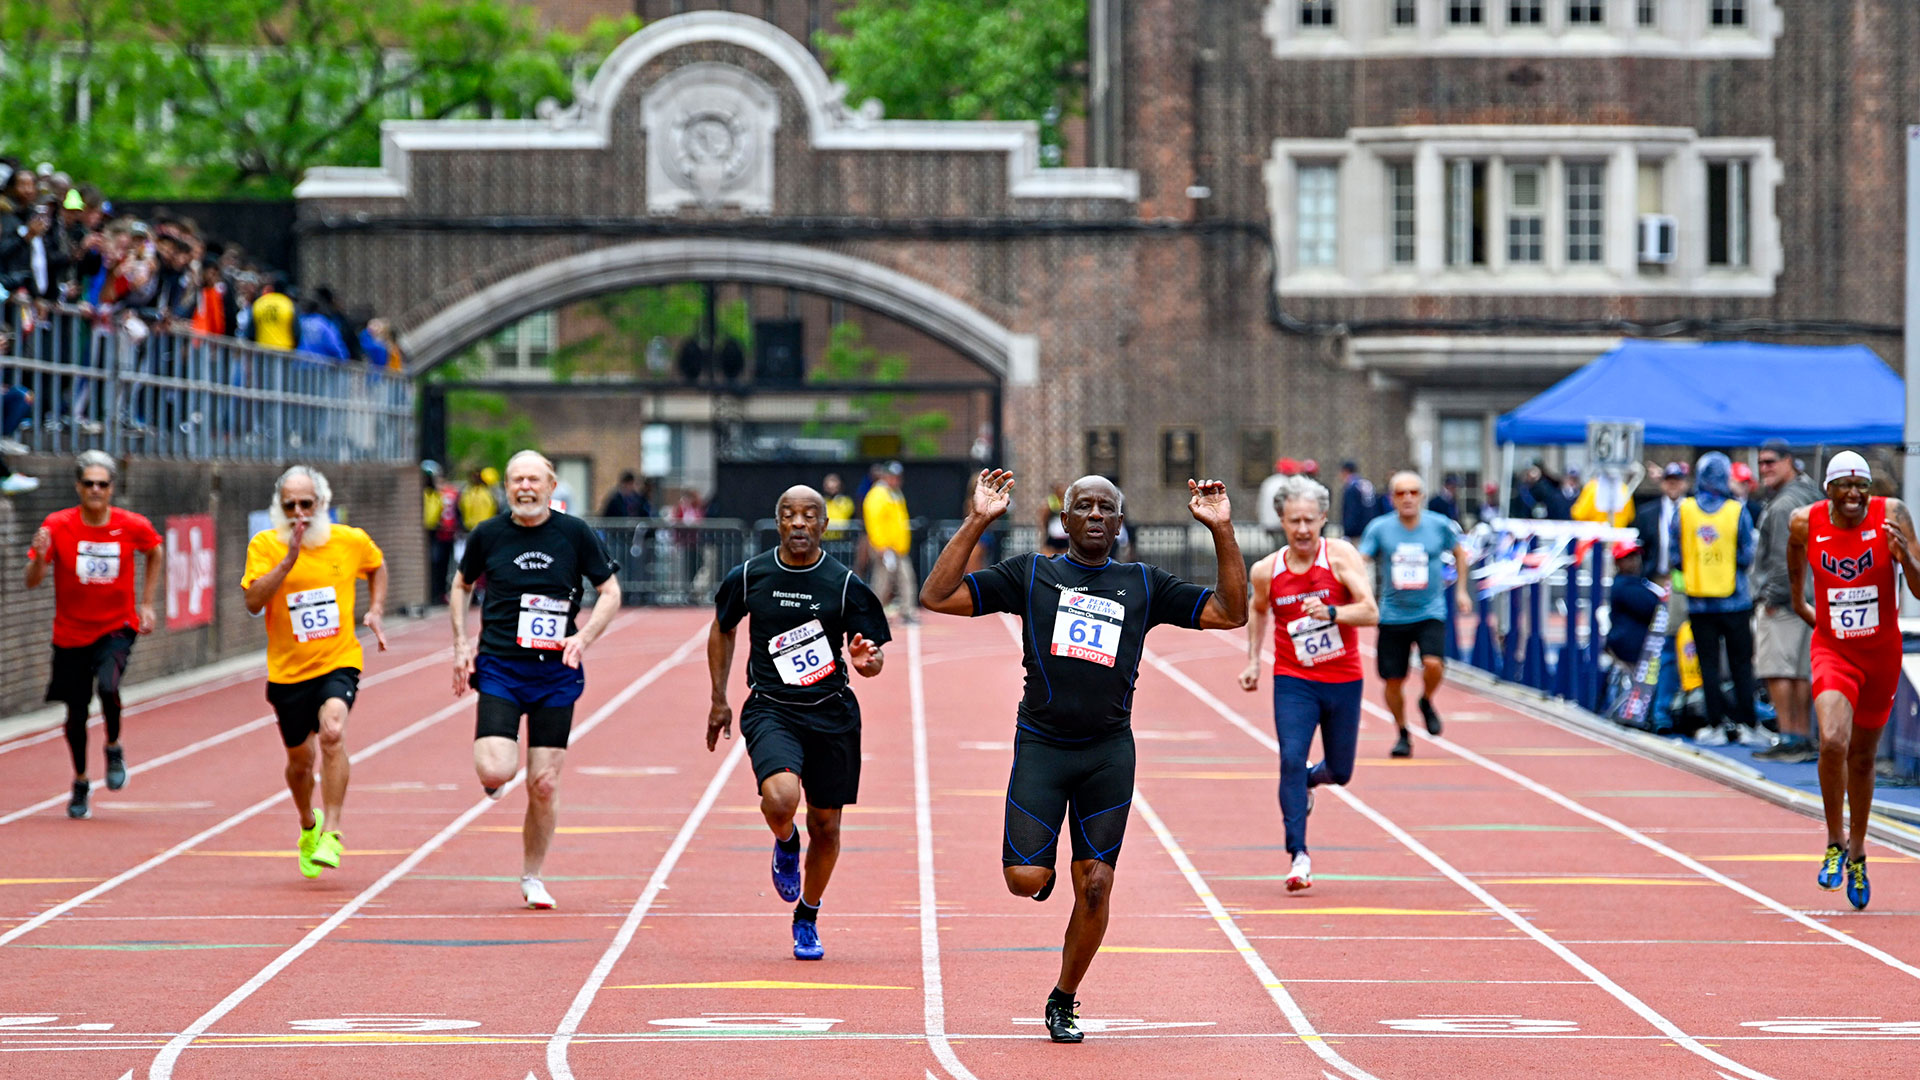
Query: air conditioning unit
(1659, 238)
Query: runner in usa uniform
(1850, 541)
(1085, 619)
(1316, 591)
(90, 548)
(801, 722)
(301, 573)
(528, 662)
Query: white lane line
(931, 980)
(1573, 959)
(1275, 988)
(226, 736)
(162, 1067)
(1648, 842)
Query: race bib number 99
(543, 623)
(1410, 567)
(1315, 641)
(314, 614)
(1087, 627)
(802, 655)
(1854, 612)
(97, 563)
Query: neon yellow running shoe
(328, 851)
(1829, 877)
(309, 843)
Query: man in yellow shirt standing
(301, 572)
(885, 513)
(273, 315)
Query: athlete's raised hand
(42, 546)
(294, 541)
(992, 494)
(864, 655)
(1209, 502)
(719, 722)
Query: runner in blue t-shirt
(1413, 597)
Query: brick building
(1323, 228)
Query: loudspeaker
(777, 359)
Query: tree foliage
(215, 98)
(885, 412)
(964, 59)
(631, 319)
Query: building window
(1316, 12)
(1465, 12)
(1586, 13)
(1586, 213)
(1647, 12)
(1319, 187)
(1405, 12)
(523, 345)
(1526, 12)
(1727, 13)
(1463, 455)
(1400, 211)
(1466, 213)
(1728, 217)
(1526, 215)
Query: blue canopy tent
(1723, 393)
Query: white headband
(1847, 463)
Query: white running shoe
(18, 484)
(536, 894)
(1301, 876)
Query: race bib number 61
(1087, 627)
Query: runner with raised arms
(528, 662)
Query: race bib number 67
(1087, 627)
(543, 622)
(1854, 612)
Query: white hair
(1301, 487)
(95, 459)
(537, 456)
(319, 528)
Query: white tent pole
(1910, 487)
(1506, 480)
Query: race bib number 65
(802, 655)
(543, 623)
(1087, 627)
(314, 613)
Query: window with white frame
(1319, 217)
(1727, 13)
(1466, 13)
(1400, 203)
(1646, 12)
(1526, 215)
(1316, 12)
(1526, 12)
(1406, 13)
(1463, 453)
(1466, 213)
(1684, 29)
(1586, 13)
(1586, 213)
(523, 346)
(1728, 213)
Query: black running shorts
(780, 739)
(1094, 780)
(1397, 640)
(77, 670)
(547, 725)
(297, 705)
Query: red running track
(1515, 899)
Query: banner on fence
(189, 570)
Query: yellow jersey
(885, 512)
(273, 321)
(310, 617)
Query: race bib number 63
(543, 622)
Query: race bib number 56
(802, 655)
(1087, 627)
(543, 623)
(314, 614)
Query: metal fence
(77, 381)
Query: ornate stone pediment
(710, 131)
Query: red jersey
(93, 573)
(1856, 611)
(1307, 648)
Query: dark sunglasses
(1765, 461)
(96, 485)
(297, 504)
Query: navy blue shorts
(530, 684)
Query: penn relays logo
(1846, 569)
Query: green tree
(850, 360)
(631, 319)
(964, 59)
(214, 98)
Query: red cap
(1310, 466)
(1286, 466)
(1625, 548)
(1741, 473)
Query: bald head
(801, 517)
(1091, 517)
(1091, 484)
(800, 494)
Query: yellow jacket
(885, 512)
(1587, 506)
(476, 505)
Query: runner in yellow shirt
(301, 573)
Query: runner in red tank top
(1316, 591)
(1850, 542)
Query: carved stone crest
(710, 131)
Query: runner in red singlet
(1850, 542)
(1316, 591)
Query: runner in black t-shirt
(1084, 621)
(528, 664)
(801, 722)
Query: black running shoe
(77, 806)
(1063, 1022)
(1404, 747)
(1433, 718)
(1047, 889)
(116, 769)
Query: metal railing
(119, 385)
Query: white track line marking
(162, 1067)
(228, 735)
(1275, 988)
(930, 976)
(1573, 959)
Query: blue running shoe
(1858, 891)
(1829, 876)
(806, 941)
(786, 870)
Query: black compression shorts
(297, 705)
(1093, 779)
(779, 739)
(1395, 647)
(77, 670)
(547, 725)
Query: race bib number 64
(1087, 627)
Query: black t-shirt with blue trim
(801, 618)
(1081, 667)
